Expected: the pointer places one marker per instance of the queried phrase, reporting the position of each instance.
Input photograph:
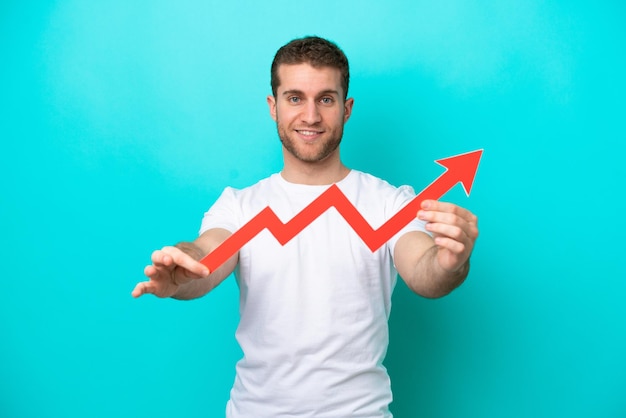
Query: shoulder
(250, 200)
(234, 206)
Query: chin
(311, 153)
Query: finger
(158, 272)
(447, 231)
(451, 254)
(142, 288)
(150, 271)
(454, 246)
(470, 229)
(193, 275)
(437, 206)
(441, 217)
(160, 258)
(185, 261)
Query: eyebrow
(301, 93)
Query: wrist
(464, 269)
(190, 249)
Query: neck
(328, 171)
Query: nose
(311, 114)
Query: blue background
(121, 122)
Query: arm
(175, 271)
(433, 267)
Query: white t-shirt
(314, 312)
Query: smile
(308, 133)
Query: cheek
(283, 116)
(339, 118)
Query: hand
(170, 268)
(454, 231)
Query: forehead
(308, 79)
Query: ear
(271, 102)
(347, 109)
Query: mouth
(309, 134)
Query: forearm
(430, 280)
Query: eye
(293, 99)
(327, 100)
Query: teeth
(308, 133)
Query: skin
(310, 114)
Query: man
(314, 312)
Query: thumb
(142, 288)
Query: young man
(314, 312)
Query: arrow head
(462, 168)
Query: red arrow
(459, 169)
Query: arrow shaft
(332, 197)
(433, 191)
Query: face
(309, 111)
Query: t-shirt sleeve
(225, 213)
(403, 196)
